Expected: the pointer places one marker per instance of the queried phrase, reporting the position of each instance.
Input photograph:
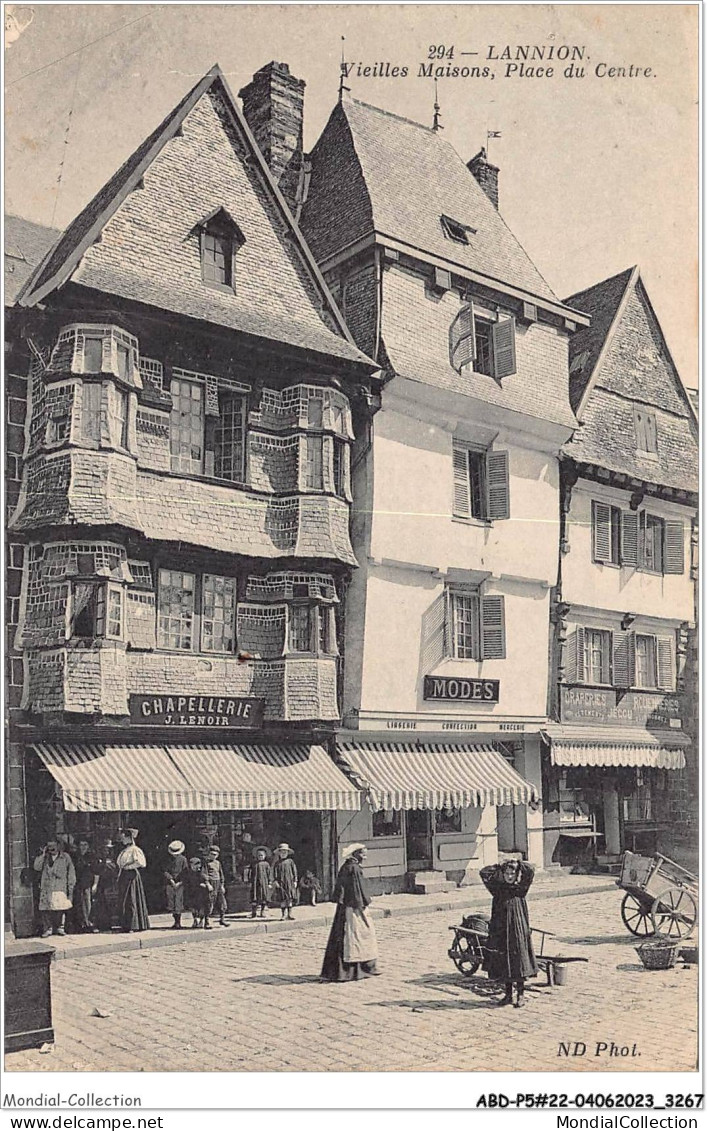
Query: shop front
(606, 775)
(435, 812)
(237, 795)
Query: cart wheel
(464, 957)
(636, 916)
(674, 913)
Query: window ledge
(225, 288)
(483, 523)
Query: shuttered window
(476, 626)
(646, 431)
(490, 346)
(646, 661)
(624, 659)
(651, 534)
(481, 483)
(606, 533)
(629, 538)
(666, 663)
(674, 548)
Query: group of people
(100, 888)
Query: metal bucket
(561, 973)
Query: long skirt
(353, 938)
(132, 905)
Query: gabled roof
(620, 362)
(375, 171)
(26, 244)
(304, 314)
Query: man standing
(56, 887)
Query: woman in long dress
(132, 905)
(510, 957)
(352, 949)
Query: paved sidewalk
(256, 1003)
(471, 898)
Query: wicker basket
(659, 954)
(476, 923)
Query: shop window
(475, 626)
(572, 806)
(314, 476)
(481, 483)
(638, 805)
(448, 820)
(646, 661)
(597, 656)
(97, 611)
(387, 822)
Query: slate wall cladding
(636, 365)
(271, 282)
(359, 303)
(152, 436)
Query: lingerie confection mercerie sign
(196, 711)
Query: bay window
(96, 611)
(196, 612)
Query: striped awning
(108, 778)
(286, 776)
(614, 747)
(434, 775)
(102, 778)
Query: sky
(597, 173)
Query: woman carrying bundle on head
(510, 957)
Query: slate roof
(375, 170)
(626, 362)
(296, 309)
(26, 244)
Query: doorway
(418, 839)
(511, 828)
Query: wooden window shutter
(493, 628)
(579, 654)
(674, 548)
(642, 540)
(462, 493)
(497, 485)
(601, 532)
(570, 658)
(629, 538)
(503, 335)
(665, 663)
(623, 659)
(461, 338)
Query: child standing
(175, 868)
(260, 882)
(285, 877)
(196, 892)
(220, 900)
(211, 867)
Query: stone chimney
(273, 104)
(486, 174)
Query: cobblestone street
(256, 1004)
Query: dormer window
(220, 239)
(484, 340)
(455, 230)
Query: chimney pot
(486, 174)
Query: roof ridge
(391, 114)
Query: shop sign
(461, 690)
(628, 708)
(195, 711)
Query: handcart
(470, 945)
(661, 896)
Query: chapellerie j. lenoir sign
(462, 690)
(196, 711)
